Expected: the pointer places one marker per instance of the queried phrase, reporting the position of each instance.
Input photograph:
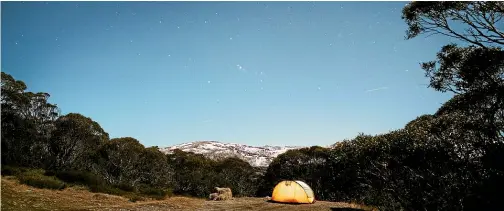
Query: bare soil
(17, 197)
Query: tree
(119, 161)
(154, 168)
(193, 173)
(475, 73)
(73, 141)
(236, 174)
(27, 121)
(480, 19)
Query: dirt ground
(17, 197)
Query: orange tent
(293, 192)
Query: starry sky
(257, 73)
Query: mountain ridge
(257, 156)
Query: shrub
(78, 177)
(36, 178)
(153, 192)
(12, 170)
(125, 187)
(135, 198)
(106, 189)
(169, 192)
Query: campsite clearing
(17, 196)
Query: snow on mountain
(256, 156)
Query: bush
(106, 189)
(95, 183)
(78, 177)
(152, 192)
(125, 187)
(50, 173)
(169, 192)
(135, 198)
(12, 170)
(36, 178)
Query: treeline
(75, 149)
(450, 160)
(435, 163)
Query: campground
(17, 196)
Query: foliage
(12, 170)
(107, 189)
(36, 178)
(26, 123)
(480, 20)
(156, 193)
(197, 175)
(81, 178)
(71, 140)
(120, 161)
(135, 198)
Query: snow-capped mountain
(256, 156)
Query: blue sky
(257, 73)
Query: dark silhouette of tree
(73, 141)
(481, 21)
(475, 73)
(119, 161)
(27, 121)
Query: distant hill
(256, 156)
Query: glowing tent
(293, 192)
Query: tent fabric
(306, 187)
(293, 192)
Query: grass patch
(61, 179)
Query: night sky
(257, 73)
